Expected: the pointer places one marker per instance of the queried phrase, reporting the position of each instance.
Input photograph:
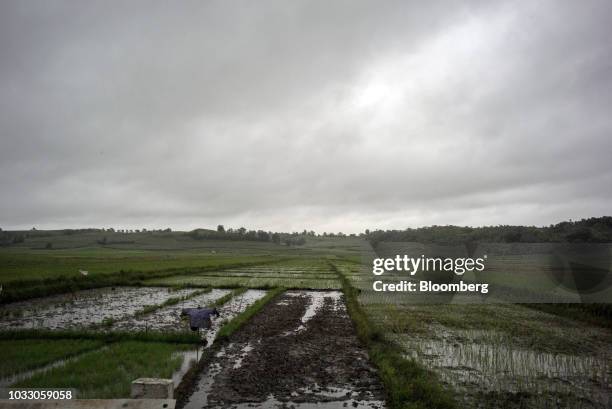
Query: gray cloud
(288, 115)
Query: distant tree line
(592, 230)
(10, 237)
(242, 234)
(113, 230)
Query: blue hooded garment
(199, 317)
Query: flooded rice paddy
(168, 318)
(85, 308)
(230, 309)
(496, 355)
(287, 276)
(90, 307)
(485, 366)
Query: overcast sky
(285, 115)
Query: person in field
(200, 317)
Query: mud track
(301, 349)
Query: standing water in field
(227, 312)
(230, 309)
(84, 308)
(316, 302)
(299, 351)
(486, 366)
(168, 318)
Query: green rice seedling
(108, 373)
(105, 336)
(21, 355)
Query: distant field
(173, 241)
(17, 264)
(250, 282)
(312, 273)
(519, 272)
(142, 252)
(157, 241)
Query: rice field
(34, 353)
(63, 363)
(108, 372)
(494, 354)
(27, 265)
(169, 318)
(304, 273)
(251, 282)
(154, 307)
(86, 308)
(525, 272)
(484, 353)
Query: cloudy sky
(285, 115)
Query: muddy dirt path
(300, 351)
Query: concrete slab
(152, 388)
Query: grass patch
(408, 383)
(108, 373)
(238, 321)
(23, 355)
(186, 337)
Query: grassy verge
(116, 336)
(238, 321)
(108, 373)
(408, 384)
(23, 355)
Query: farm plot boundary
(19, 290)
(162, 345)
(407, 383)
(305, 352)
